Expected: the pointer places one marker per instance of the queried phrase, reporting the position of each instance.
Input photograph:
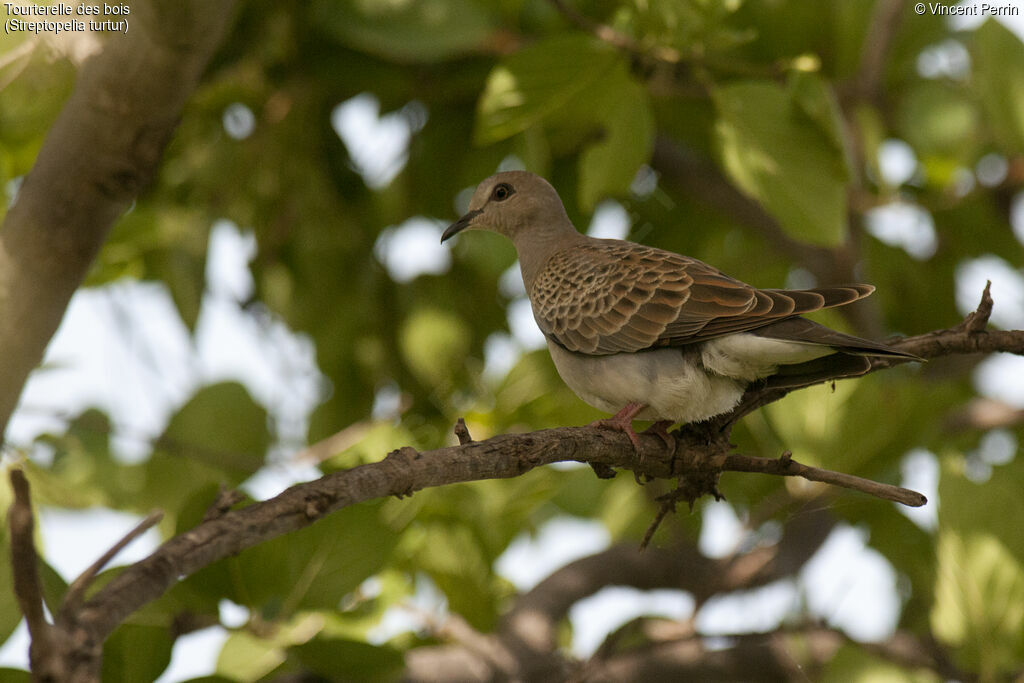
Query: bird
(648, 334)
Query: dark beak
(460, 225)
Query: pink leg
(660, 428)
(623, 421)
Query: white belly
(680, 385)
(673, 385)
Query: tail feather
(803, 330)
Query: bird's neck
(538, 246)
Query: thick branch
(103, 148)
(535, 615)
(25, 567)
(754, 656)
(401, 473)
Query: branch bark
(102, 150)
(755, 656)
(25, 568)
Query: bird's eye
(501, 192)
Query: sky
(123, 349)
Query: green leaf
(777, 146)
(14, 675)
(853, 664)
(54, 587)
(979, 592)
(425, 30)
(168, 246)
(968, 507)
(979, 603)
(940, 121)
(245, 657)
(312, 568)
(220, 437)
(583, 91)
(340, 659)
(434, 343)
(136, 653)
(608, 167)
(811, 95)
(184, 272)
(222, 426)
(451, 554)
(997, 57)
(535, 82)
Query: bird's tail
(798, 329)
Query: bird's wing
(610, 296)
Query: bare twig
(25, 566)
(787, 467)
(884, 22)
(335, 443)
(688, 490)
(225, 500)
(486, 647)
(977, 320)
(615, 38)
(76, 591)
(664, 508)
(462, 432)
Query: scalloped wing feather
(611, 296)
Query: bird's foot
(660, 429)
(622, 421)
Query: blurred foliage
(776, 93)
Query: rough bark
(102, 150)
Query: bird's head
(512, 203)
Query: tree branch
(787, 467)
(753, 656)
(530, 629)
(76, 591)
(535, 615)
(701, 455)
(609, 35)
(25, 567)
(103, 148)
(885, 21)
(968, 337)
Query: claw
(660, 429)
(622, 421)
